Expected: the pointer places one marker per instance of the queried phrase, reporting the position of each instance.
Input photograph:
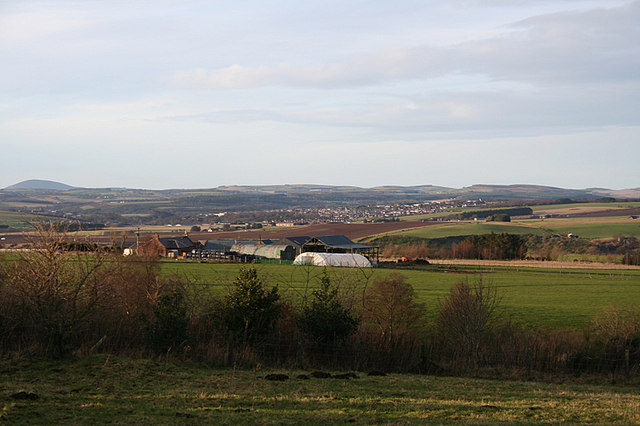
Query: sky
(163, 94)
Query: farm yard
(545, 317)
(320, 212)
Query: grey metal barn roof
(298, 241)
(337, 241)
(215, 246)
(340, 241)
(229, 243)
(176, 243)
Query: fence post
(626, 361)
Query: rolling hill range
(429, 192)
(490, 192)
(126, 206)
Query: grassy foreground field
(531, 296)
(102, 389)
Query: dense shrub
(50, 299)
(167, 330)
(391, 310)
(465, 320)
(250, 310)
(498, 218)
(615, 338)
(631, 258)
(325, 322)
(57, 302)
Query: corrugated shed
(179, 243)
(215, 246)
(297, 241)
(340, 241)
(334, 241)
(269, 251)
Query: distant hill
(41, 184)
(278, 196)
(616, 193)
(391, 192)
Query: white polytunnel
(350, 260)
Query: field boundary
(551, 264)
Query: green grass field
(102, 389)
(451, 229)
(17, 220)
(602, 228)
(537, 209)
(531, 296)
(615, 205)
(585, 227)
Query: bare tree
(52, 290)
(465, 320)
(391, 308)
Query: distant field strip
(18, 220)
(556, 209)
(585, 227)
(579, 208)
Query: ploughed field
(554, 298)
(351, 230)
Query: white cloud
(90, 82)
(596, 45)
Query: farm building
(330, 244)
(349, 260)
(166, 246)
(245, 251)
(267, 251)
(212, 250)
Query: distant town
(309, 215)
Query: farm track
(533, 264)
(608, 213)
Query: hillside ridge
(40, 184)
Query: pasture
(18, 220)
(619, 208)
(554, 298)
(103, 389)
(583, 207)
(598, 227)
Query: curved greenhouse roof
(269, 251)
(350, 260)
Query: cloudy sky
(186, 94)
